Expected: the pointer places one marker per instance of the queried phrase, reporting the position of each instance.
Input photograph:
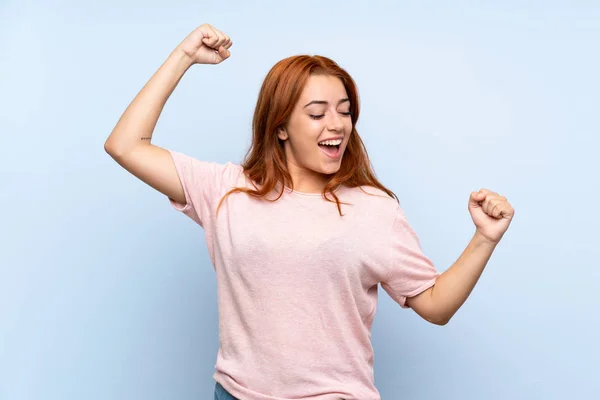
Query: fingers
(223, 44)
(215, 38)
(486, 199)
(495, 205)
(210, 36)
(495, 209)
(223, 53)
(227, 43)
(489, 204)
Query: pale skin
(309, 168)
(130, 145)
(492, 215)
(130, 142)
(322, 112)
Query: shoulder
(207, 175)
(234, 170)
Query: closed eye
(347, 114)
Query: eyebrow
(326, 102)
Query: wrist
(181, 58)
(480, 239)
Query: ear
(282, 133)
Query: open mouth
(331, 148)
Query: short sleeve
(204, 183)
(410, 271)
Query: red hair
(265, 162)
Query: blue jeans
(222, 394)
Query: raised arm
(130, 142)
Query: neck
(306, 181)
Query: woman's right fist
(206, 45)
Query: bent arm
(452, 288)
(136, 125)
(129, 144)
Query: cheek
(348, 128)
(302, 144)
(348, 124)
(307, 134)
(314, 127)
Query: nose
(334, 122)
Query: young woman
(301, 233)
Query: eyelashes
(322, 115)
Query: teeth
(331, 142)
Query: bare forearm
(137, 123)
(454, 286)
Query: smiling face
(321, 113)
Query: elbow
(429, 309)
(118, 150)
(440, 320)
(109, 148)
(114, 150)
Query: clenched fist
(206, 45)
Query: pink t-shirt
(297, 283)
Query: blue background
(106, 292)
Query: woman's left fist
(491, 214)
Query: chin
(332, 168)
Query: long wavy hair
(265, 161)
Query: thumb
(476, 198)
(223, 53)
